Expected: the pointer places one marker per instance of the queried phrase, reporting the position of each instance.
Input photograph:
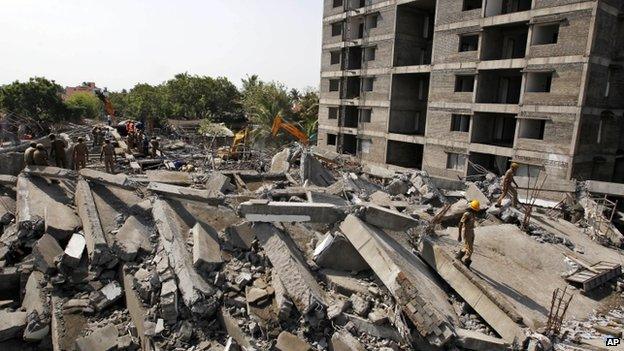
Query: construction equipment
(238, 147)
(290, 128)
(108, 106)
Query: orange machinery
(290, 128)
(108, 106)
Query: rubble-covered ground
(295, 251)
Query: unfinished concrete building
(456, 87)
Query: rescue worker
(40, 156)
(131, 140)
(29, 153)
(108, 154)
(145, 145)
(57, 150)
(96, 135)
(81, 155)
(507, 187)
(467, 224)
(154, 147)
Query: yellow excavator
(290, 128)
(238, 146)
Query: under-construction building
(457, 87)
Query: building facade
(457, 87)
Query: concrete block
(169, 177)
(36, 304)
(50, 172)
(108, 295)
(344, 341)
(46, 252)
(336, 252)
(279, 162)
(289, 342)
(179, 192)
(240, 235)
(103, 339)
(290, 267)
(132, 237)
(267, 211)
(230, 325)
(206, 248)
(74, 250)
(9, 281)
(313, 171)
(283, 305)
(97, 247)
(12, 324)
(11, 163)
(219, 183)
(61, 221)
(385, 218)
(474, 193)
(8, 180)
(135, 307)
(473, 340)
(118, 180)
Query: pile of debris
(313, 254)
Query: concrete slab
(343, 282)
(407, 278)
(230, 325)
(135, 308)
(97, 247)
(219, 183)
(290, 342)
(314, 172)
(169, 177)
(132, 237)
(336, 252)
(344, 341)
(12, 324)
(206, 248)
(102, 339)
(385, 218)
(185, 193)
(74, 250)
(240, 235)
(50, 172)
(119, 180)
(8, 180)
(290, 267)
(273, 211)
(474, 193)
(473, 340)
(279, 162)
(36, 304)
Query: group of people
(38, 155)
(468, 219)
(138, 140)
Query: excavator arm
(108, 106)
(279, 123)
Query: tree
(39, 99)
(262, 102)
(147, 103)
(88, 105)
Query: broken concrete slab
(290, 267)
(36, 304)
(240, 235)
(473, 340)
(179, 192)
(343, 283)
(61, 221)
(102, 339)
(74, 250)
(474, 193)
(11, 163)
(206, 248)
(135, 308)
(314, 172)
(132, 237)
(290, 342)
(336, 252)
(279, 162)
(118, 180)
(8, 180)
(46, 252)
(108, 295)
(12, 324)
(408, 279)
(219, 183)
(232, 329)
(364, 326)
(344, 341)
(97, 247)
(197, 294)
(385, 218)
(169, 177)
(274, 211)
(50, 172)
(9, 281)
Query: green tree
(39, 98)
(147, 103)
(262, 102)
(119, 100)
(88, 105)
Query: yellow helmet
(475, 205)
(514, 165)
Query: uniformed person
(507, 186)
(29, 153)
(96, 135)
(81, 154)
(57, 150)
(466, 232)
(40, 156)
(154, 147)
(108, 154)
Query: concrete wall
(565, 87)
(574, 33)
(446, 46)
(450, 11)
(443, 88)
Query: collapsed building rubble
(318, 253)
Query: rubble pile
(306, 252)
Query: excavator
(290, 128)
(238, 146)
(108, 106)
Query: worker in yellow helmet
(467, 225)
(508, 188)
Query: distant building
(88, 87)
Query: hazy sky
(118, 43)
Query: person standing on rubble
(81, 155)
(108, 154)
(154, 147)
(508, 188)
(29, 153)
(145, 145)
(40, 156)
(467, 225)
(96, 135)
(57, 150)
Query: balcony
(493, 129)
(499, 86)
(502, 7)
(504, 42)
